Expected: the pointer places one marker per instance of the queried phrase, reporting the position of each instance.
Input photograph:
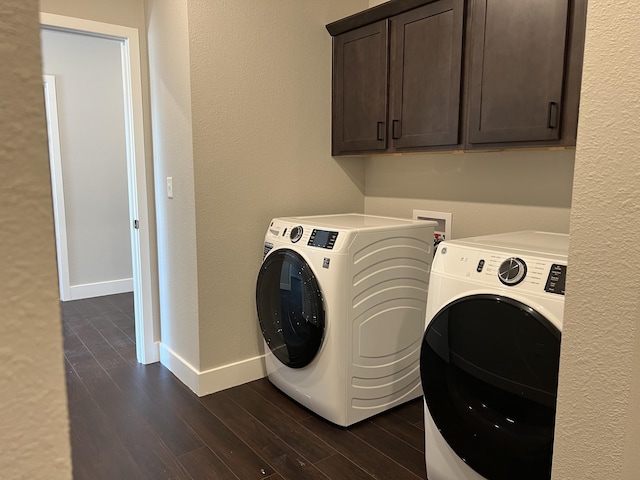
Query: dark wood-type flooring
(130, 421)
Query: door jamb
(60, 220)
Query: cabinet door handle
(552, 120)
(394, 129)
(380, 131)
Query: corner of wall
(215, 379)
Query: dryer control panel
(556, 279)
(498, 268)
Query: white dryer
(490, 355)
(341, 302)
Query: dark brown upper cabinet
(425, 75)
(396, 82)
(360, 89)
(428, 75)
(516, 75)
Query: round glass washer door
(290, 308)
(489, 371)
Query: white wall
(94, 163)
(34, 431)
(598, 419)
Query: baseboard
(214, 379)
(232, 374)
(182, 369)
(100, 289)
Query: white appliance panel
(471, 267)
(374, 276)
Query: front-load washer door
(290, 308)
(489, 370)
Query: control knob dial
(512, 271)
(295, 234)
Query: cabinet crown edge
(373, 14)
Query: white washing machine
(490, 355)
(341, 302)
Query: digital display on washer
(556, 279)
(322, 239)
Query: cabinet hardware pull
(394, 133)
(379, 134)
(552, 120)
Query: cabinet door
(517, 70)
(360, 89)
(426, 59)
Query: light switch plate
(169, 187)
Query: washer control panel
(322, 239)
(283, 233)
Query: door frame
(147, 347)
(55, 165)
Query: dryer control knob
(512, 271)
(296, 234)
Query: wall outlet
(443, 230)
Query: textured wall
(129, 13)
(33, 424)
(487, 192)
(598, 421)
(261, 101)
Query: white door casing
(55, 164)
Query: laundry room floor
(131, 421)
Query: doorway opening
(147, 349)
